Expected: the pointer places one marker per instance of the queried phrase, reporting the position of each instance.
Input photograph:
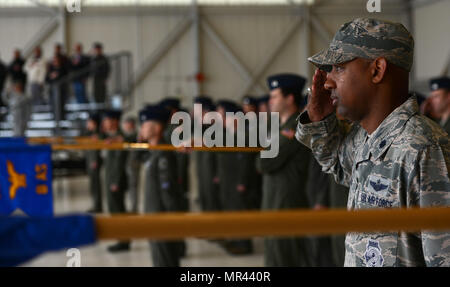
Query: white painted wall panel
(432, 37)
(251, 36)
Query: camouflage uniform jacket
(404, 163)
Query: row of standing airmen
(227, 181)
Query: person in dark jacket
(115, 172)
(285, 175)
(100, 72)
(94, 163)
(16, 69)
(232, 177)
(79, 69)
(162, 193)
(56, 77)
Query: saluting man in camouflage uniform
(391, 156)
(285, 175)
(162, 193)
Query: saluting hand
(320, 104)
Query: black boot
(119, 247)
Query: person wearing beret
(173, 105)
(231, 172)
(206, 163)
(285, 175)
(115, 172)
(94, 163)
(440, 100)
(249, 104)
(161, 189)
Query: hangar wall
(251, 33)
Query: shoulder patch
(373, 256)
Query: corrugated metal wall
(250, 33)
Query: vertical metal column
(305, 39)
(410, 21)
(59, 102)
(196, 43)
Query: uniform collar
(380, 140)
(292, 119)
(445, 122)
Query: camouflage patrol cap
(368, 38)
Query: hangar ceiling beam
(227, 52)
(153, 59)
(43, 7)
(38, 38)
(281, 43)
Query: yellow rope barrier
(143, 146)
(58, 140)
(88, 143)
(270, 223)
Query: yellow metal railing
(270, 223)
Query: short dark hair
(98, 45)
(131, 120)
(294, 92)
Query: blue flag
(14, 141)
(23, 238)
(25, 179)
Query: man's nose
(330, 84)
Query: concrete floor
(72, 195)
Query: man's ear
(378, 69)
(291, 98)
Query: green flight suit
(285, 179)
(182, 168)
(250, 177)
(133, 167)
(318, 190)
(162, 194)
(93, 166)
(115, 174)
(206, 169)
(231, 172)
